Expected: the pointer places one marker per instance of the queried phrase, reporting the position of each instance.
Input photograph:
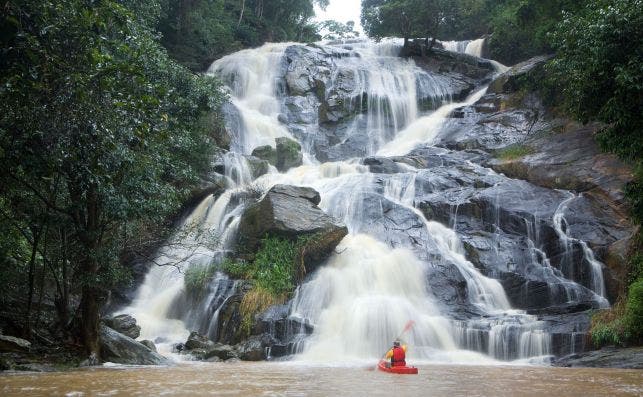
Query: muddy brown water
(291, 379)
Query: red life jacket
(399, 357)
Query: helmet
(396, 343)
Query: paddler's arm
(389, 354)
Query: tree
(405, 18)
(599, 65)
(97, 132)
(196, 32)
(334, 30)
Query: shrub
(607, 326)
(197, 277)
(256, 301)
(634, 312)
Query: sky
(341, 11)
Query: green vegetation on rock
(197, 277)
(275, 267)
(514, 152)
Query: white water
(251, 76)
(390, 85)
(424, 130)
(471, 47)
(367, 290)
(597, 283)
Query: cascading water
(471, 47)
(385, 271)
(596, 282)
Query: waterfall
(596, 282)
(384, 272)
(471, 47)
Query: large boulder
(288, 154)
(288, 211)
(118, 348)
(198, 341)
(252, 349)
(510, 81)
(125, 324)
(13, 344)
(267, 153)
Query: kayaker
(397, 355)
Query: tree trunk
(243, 7)
(90, 238)
(89, 312)
(31, 277)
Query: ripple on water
(295, 379)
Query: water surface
(294, 379)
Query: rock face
(509, 81)
(125, 324)
(330, 94)
(287, 211)
(267, 153)
(118, 348)
(288, 154)
(13, 344)
(631, 358)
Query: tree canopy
(98, 134)
(196, 32)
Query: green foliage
(197, 277)
(634, 194)
(514, 152)
(602, 77)
(405, 18)
(275, 266)
(634, 312)
(99, 136)
(338, 31)
(607, 334)
(196, 32)
(236, 269)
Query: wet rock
(198, 341)
(5, 364)
(489, 131)
(572, 160)
(252, 350)
(149, 344)
(118, 348)
(221, 351)
(509, 81)
(609, 357)
(288, 154)
(267, 153)
(258, 166)
(286, 211)
(13, 344)
(382, 165)
(234, 127)
(125, 324)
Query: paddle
(407, 327)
